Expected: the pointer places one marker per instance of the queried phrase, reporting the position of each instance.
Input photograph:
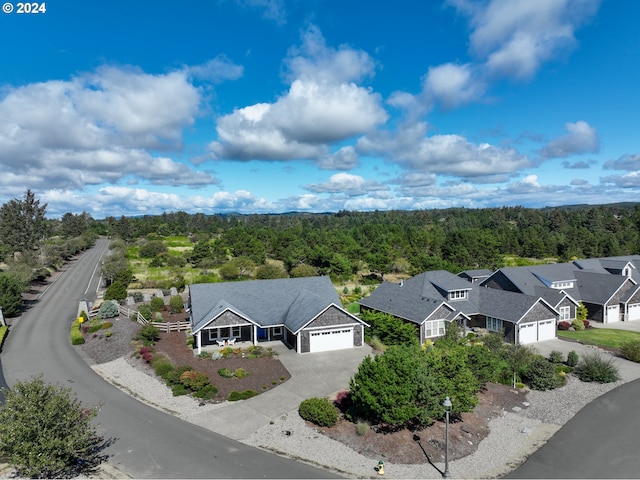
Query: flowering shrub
(194, 380)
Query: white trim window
(276, 330)
(235, 331)
(565, 314)
(494, 324)
(458, 294)
(434, 328)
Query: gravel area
(512, 438)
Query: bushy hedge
(572, 358)
(76, 334)
(319, 411)
(156, 304)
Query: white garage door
(613, 313)
(528, 333)
(325, 340)
(634, 311)
(546, 330)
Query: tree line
(343, 244)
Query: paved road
(149, 443)
(599, 442)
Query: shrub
(162, 368)
(138, 297)
(176, 303)
(194, 380)
(156, 304)
(578, 325)
(234, 395)
(178, 389)
(586, 324)
(225, 372)
(555, 357)
(45, 432)
(240, 373)
(173, 377)
(76, 334)
(564, 325)
(572, 358)
(147, 357)
(597, 368)
(493, 341)
(145, 311)
(116, 291)
(150, 333)
(631, 350)
(108, 309)
(216, 356)
(94, 328)
(106, 325)
(540, 374)
(319, 411)
(362, 427)
(207, 392)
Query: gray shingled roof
(417, 298)
(596, 287)
(285, 301)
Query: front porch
(215, 338)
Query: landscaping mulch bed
(265, 372)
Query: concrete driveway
(312, 375)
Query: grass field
(603, 337)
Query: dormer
(556, 284)
(453, 295)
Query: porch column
(198, 335)
(255, 335)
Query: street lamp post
(447, 408)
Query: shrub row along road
(148, 443)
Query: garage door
(613, 314)
(546, 330)
(325, 340)
(634, 311)
(528, 333)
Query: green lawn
(603, 337)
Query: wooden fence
(162, 326)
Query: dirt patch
(414, 447)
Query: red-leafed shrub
(144, 350)
(343, 399)
(147, 356)
(586, 323)
(564, 326)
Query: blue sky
(267, 106)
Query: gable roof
(283, 301)
(417, 298)
(404, 301)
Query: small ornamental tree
(46, 433)
(581, 312)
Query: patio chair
(231, 341)
(220, 343)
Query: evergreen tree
(22, 222)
